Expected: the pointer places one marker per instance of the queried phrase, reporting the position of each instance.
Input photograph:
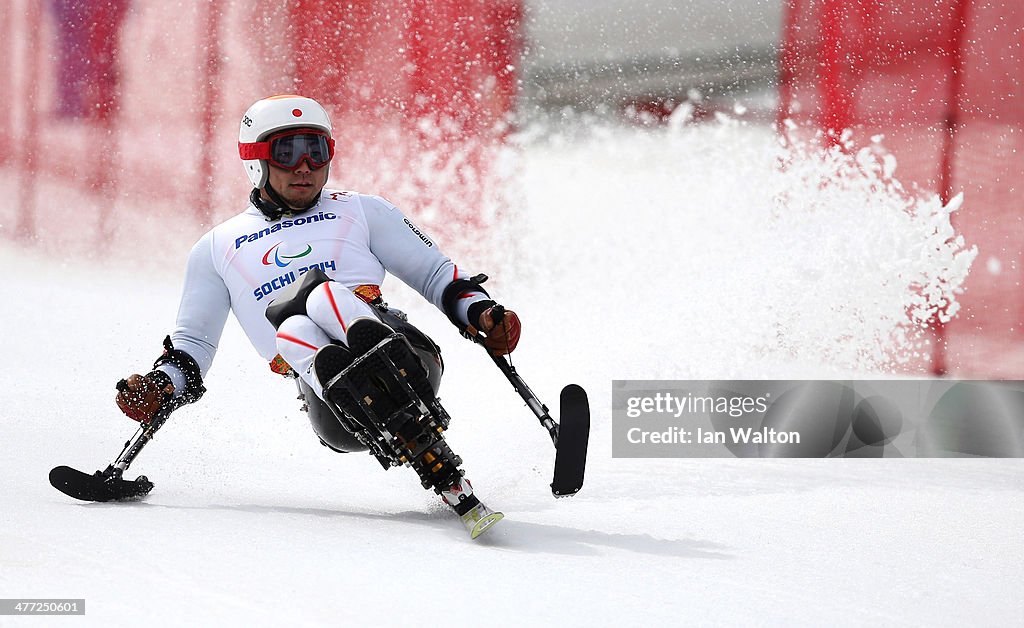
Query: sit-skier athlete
(317, 257)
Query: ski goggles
(289, 149)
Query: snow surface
(679, 253)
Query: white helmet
(274, 114)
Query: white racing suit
(242, 264)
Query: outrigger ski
(101, 486)
(570, 437)
(571, 442)
(109, 485)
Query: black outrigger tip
(571, 445)
(101, 486)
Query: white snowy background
(671, 253)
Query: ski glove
(140, 396)
(503, 333)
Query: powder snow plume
(698, 246)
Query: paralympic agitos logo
(274, 256)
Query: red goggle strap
(261, 150)
(254, 150)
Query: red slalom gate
(941, 82)
(141, 101)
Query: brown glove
(502, 337)
(139, 396)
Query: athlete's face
(300, 186)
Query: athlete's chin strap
(276, 208)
